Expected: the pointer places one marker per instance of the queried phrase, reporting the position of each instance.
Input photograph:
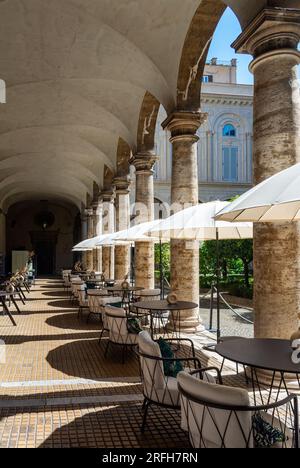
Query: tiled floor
(58, 390)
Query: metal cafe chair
(217, 416)
(158, 388)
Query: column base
(189, 325)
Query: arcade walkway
(58, 390)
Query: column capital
(107, 196)
(183, 124)
(144, 162)
(274, 31)
(89, 212)
(122, 185)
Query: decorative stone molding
(184, 124)
(107, 197)
(144, 162)
(122, 185)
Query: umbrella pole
(132, 264)
(161, 271)
(218, 289)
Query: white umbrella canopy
(198, 223)
(89, 244)
(136, 233)
(277, 199)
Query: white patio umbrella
(277, 199)
(129, 236)
(137, 233)
(89, 244)
(198, 223)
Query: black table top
(164, 305)
(267, 354)
(120, 289)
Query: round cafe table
(158, 309)
(270, 355)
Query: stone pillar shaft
(98, 217)
(84, 236)
(122, 252)
(108, 253)
(272, 39)
(144, 251)
(185, 193)
(90, 235)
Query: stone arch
(194, 53)
(123, 158)
(147, 123)
(108, 177)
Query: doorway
(45, 258)
(44, 245)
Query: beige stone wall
(122, 261)
(144, 265)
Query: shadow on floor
(62, 305)
(119, 427)
(56, 294)
(70, 322)
(85, 359)
(20, 339)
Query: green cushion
(134, 326)
(265, 435)
(171, 369)
(118, 305)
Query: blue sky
(227, 31)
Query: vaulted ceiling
(76, 73)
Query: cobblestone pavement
(232, 324)
(58, 390)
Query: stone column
(185, 193)
(272, 39)
(122, 252)
(90, 235)
(144, 251)
(84, 235)
(108, 268)
(97, 253)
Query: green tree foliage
(166, 258)
(235, 256)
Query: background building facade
(225, 140)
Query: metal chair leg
(101, 335)
(106, 349)
(146, 406)
(123, 354)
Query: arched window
(229, 131)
